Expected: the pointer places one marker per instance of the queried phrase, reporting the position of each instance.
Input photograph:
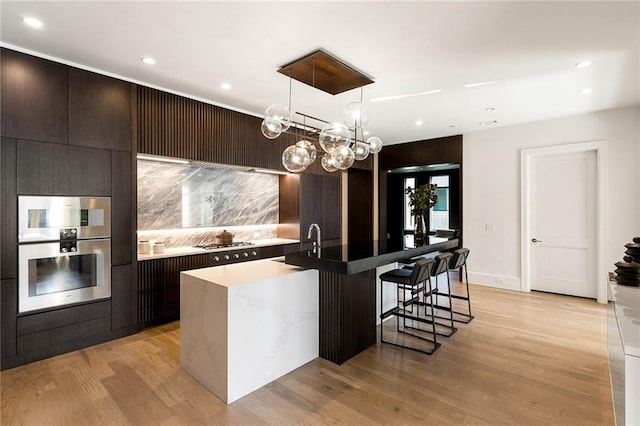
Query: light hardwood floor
(527, 359)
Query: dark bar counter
(348, 291)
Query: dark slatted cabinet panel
(176, 126)
(347, 314)
(159, 287)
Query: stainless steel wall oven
(64, 250)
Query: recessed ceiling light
(484, 83)
(147, 60)
(488, 123)
(32, 22)
(490, 109)
(366, 132)
(585, 91)
(225, 86)
(419, 123)
(583, 64)
(452, 125)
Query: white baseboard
(495, 280)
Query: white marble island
(244, 325)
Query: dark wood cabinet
(175, 126)
(275, 251)
(8, 210)
(55, 328)
(54, 169)
(321, 203)
(8, 313)
(123, 291)
(34, 98)
(360, 221)
(311, 202)
(99, 111)
(159, 287)
(121, 229)
(331, 207)
(65, 132)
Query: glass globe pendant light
(310, 148)
(295, 159)
(343, 157)
(328, 163)
(271, 129)
(279, 113)
(334, 135)
(375, 144)
(356, 115)
(360, 151)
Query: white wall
(491, 187)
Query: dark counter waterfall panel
(347, 314)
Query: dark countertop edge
(361, 265)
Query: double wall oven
(64, 250)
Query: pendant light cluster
(340, 143)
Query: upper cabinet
(175, 126)
(99, 111)
(49, 102)
(34, 98)
(321, 203)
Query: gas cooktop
(212, 246)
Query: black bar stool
(442, 267)
(418, 282)
(459, 260)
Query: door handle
(535, 240)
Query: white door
(563, 224)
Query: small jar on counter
(158, 247)
(144, 247)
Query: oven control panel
(234, 256)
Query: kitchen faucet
(316, 243)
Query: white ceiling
(407, 47)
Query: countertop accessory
(224, 238)
(158, 247)
(144, 247)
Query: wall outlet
(256, 235)
(490, 226)
(499, 281)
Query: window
(408, 219)
(439, 214)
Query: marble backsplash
(193, 237)
(184, 204)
